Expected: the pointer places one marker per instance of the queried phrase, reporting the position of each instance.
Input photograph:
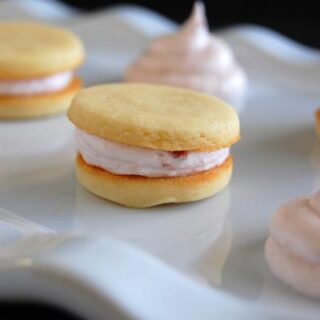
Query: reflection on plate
(190, 236)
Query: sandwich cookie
(37, 64)
(142, 145)
(293, 248)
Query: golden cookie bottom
(142, 192)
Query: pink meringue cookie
(47, 84)
(192, 58)
(123, 159)
(293, 248)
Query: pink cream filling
(123, 159)
(35, 86)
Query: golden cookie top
(153, 116)
(29, 50)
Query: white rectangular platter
(219, 241)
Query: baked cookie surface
(157, 117)
(37, 69)
(31, 50)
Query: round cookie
(37, 64)
(34, 50)
(157, 129)
(157, 117)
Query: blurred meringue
(192, 58)
(293, 247)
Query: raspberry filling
(123, 159)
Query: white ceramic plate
(217, 242)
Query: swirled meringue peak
(192, 58)
(293, 247)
